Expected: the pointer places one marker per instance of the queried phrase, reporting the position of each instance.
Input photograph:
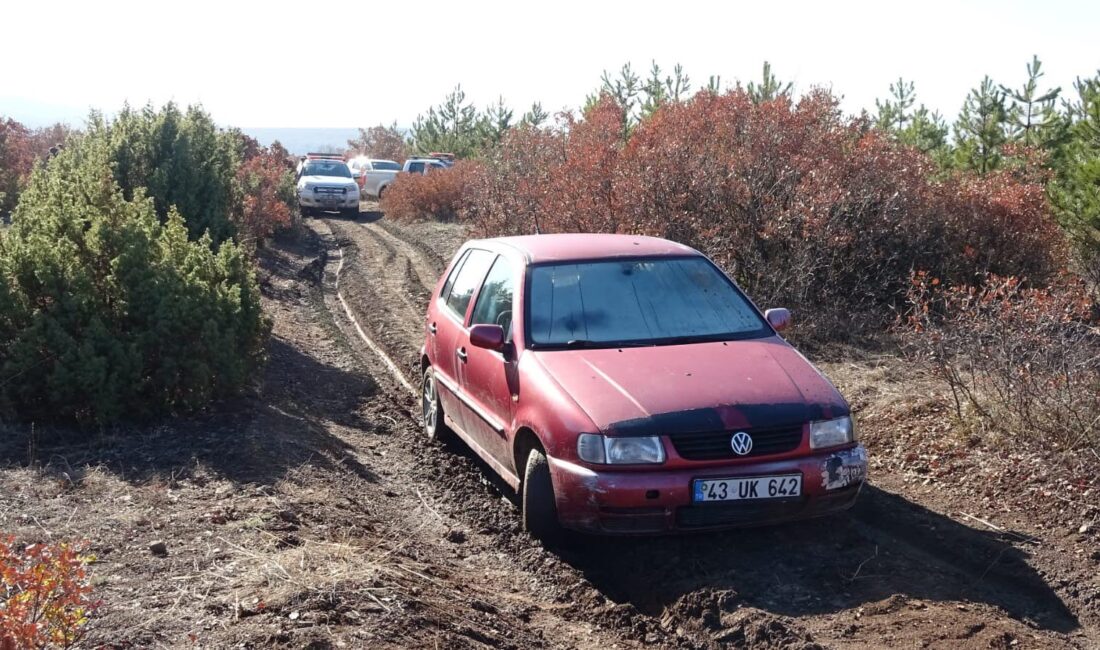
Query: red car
(625, 385)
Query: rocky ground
(313, 514)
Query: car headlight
(830, 433)
(604, 450)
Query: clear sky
(364, 62)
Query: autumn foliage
(437, 195)
(46, 598)
(20, 147)
(1016, 358)
(803, 206)
(268, 197)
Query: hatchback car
(625, 385)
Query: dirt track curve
(892, 573)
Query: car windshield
(326, 168)
(645, 301)
(386, 165)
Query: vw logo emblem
(741, 443)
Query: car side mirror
(779, 318)
(356, 174)
(490, 337)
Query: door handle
(462, 354)
(432, 329)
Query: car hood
(697, 387)
(338, 181)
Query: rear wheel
(540, 510)
(430, 409)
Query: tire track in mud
(392, 313)
(432, 261)
(426, 265)
(696, 584)
(459, 497)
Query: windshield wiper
(579, 343)
(684, 340)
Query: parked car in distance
(424, 165)
(625, 385)
(374, 175)
(325, 183)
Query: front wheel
(540, 509)
(431, 410)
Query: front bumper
(660, 501)
(350, 200)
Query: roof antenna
(535, 216)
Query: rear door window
(454, 273)
(494, 301)
(468, 279)
(416, 168)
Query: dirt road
(894, 572)
(314, 514)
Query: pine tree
(454, 126)
(920, 128)
(1075, 192)
(980, 129)
(1032, 118)
(179, 159)
(107, 312)
(623, 90)
(893, 113)
(770, 88)
(928, 132)
(494, 124)
(659, 91)
(535, 117)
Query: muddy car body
(664, 402)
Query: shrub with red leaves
(268, 198)
(435, 196)
(16, 161)
(1017, 359)
(805, 207)
(46, 598)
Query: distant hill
(304, 140)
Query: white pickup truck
(373, 175)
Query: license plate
(754, 487)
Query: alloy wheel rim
(429, 402)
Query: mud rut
(893, 573)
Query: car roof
(588, 246)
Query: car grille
(715, 445)
(329, 191)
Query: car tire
(431, 410)
(305, 212)
(540, 509)
(381, 190)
